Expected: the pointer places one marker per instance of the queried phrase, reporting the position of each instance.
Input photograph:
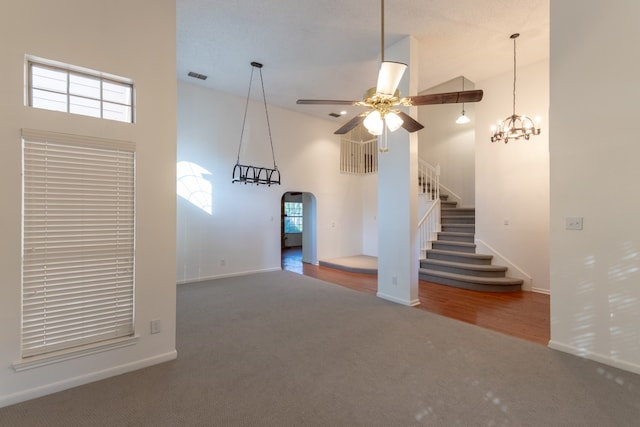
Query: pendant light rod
(462, 118)
(382, 31)
(514, 37)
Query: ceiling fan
(382, 99)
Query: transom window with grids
(59, 89)
(292, 217)
(78, 237)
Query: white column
(398, 244)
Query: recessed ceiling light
(343, 112)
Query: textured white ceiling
(330, 49)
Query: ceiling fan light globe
(393, 121)
(373, 122)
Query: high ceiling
(330, 49)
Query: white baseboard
(514, 270)
(596, 357)
(541, 291)
(84, 379)
(222, 276)
(410, 303)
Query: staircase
(453, 261)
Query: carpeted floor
(282, 349)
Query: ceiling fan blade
(409, 123)
(351, 124)
(447, 98)
(325, 102)
(389, 77)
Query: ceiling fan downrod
(382, 31)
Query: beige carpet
(282, 349)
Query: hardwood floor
(520, 314)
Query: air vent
(197, 76)
(334, 114)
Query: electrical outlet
(573, 223)
(394, 280)
(223, 263)
(155, 327)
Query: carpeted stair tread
(455, 236)
(459, 228)
(462, 265)
(485, 284)
(458, 219)
(457, 211)
(454, 246)
(463, 255)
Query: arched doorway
(298, 224)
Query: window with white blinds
(78, 238)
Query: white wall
(512, 180)
(244, 227)
(449, 144)
(594, 151)
(370, 214)
(104, 36)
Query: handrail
(428, 226)
(428, 180)
(429, 185)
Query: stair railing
(429, 180)
(429, 185)
(428, 227)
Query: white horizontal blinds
(78, 241)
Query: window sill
(64, 355)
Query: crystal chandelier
(514, 126)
